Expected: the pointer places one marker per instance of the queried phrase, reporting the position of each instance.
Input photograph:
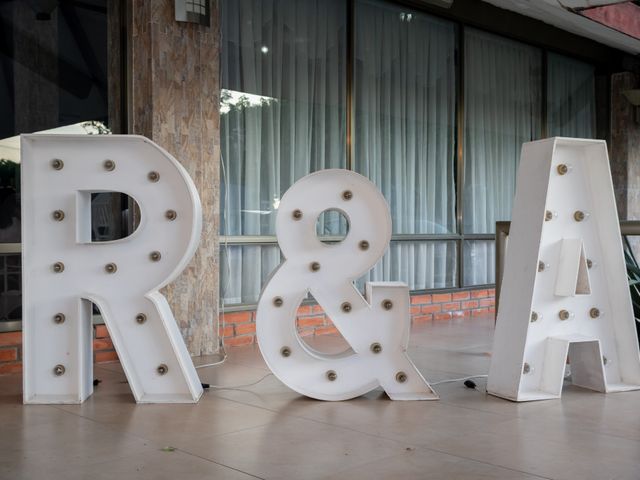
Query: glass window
(282, 117)
(244, 269)
(54, 69)
(502, 100)
(404, 96)
(571, 99)
(421, 265)
(282, 103)
(479, 262)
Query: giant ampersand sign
(376, 326)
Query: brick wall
(239, 328)
(11, 349)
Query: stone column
(625, 146)
(174, 100)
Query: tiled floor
(268, 431)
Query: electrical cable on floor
(225, 219)
(205, 365)
(236, 387)
(451, 380)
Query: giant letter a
(564, 291)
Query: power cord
(236, 387)
(471, 384)
(225, 219)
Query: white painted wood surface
(540, 348)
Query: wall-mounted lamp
(193, 11)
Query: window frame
(460, 236)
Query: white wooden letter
(63, 271)
(564, 290)
(376, 326)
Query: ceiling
(558, 13)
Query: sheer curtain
(283, 68)
(404, 134)
(502, 110)
(571, 100)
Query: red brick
(245, 328)
(328, 322)
(420, 299)
(422, 319)
(102, 344)
(227, 331)
(487, 302)
(239, 341)
(10, 339)
(238, 317)
(106, 357)
(431, 308)
(466, 313)
(449, 307)
(311, 321)
(460, 296)
(305, 310)
(458, 314)
(479, 311)
(326, 330)
(492, 309)
(479, 293)
(10, 368)
(317, 309)
(101, 331)
(441, 297)
(414, 309)
(469, 304)
(8, 354)
(491, 292)
(442, 316)
(306, 332)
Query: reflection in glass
(9, 201)
(571, 97)
(421, 265)
(282, 107)
(332, 223)
(244, 269)
(53, 59)
(283, 68)
(479, 262)
(10, 287)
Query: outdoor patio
(268, 431)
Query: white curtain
(283, 115)
(503, 94)
(283, 68)
(404, 134)
(571, 104)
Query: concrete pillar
(625, 146)
(174, 100)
